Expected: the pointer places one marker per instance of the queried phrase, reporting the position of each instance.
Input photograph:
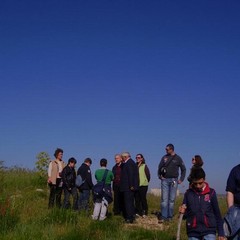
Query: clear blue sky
(101, 77)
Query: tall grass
(24, 215)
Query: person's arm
(217, 214)
(230, 199)
(159, 169)
(147, 172)
(183, 171)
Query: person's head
(103, 162)
(139, 158)
(72, 161)
(125, 156)
(88, 161)
(169, 148)
(198, 178)
(197, 161)
(58, 153)
(118, 158)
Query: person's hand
(179, 181)
(132, 188)
(182, 209)
(221, 238)
(49, 180)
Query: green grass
(24, 215)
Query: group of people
(129, 181)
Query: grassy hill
(24, 215)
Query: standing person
(197, 162)
(168, 172)
(129, 183)
(201, 210)
(69, 178)
(141, 194)
(118, 196)
(55, 179)
(84, 190)
(233, 203)
(101, 202)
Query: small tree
(42, 163)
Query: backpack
(79, 181)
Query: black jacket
(85, 172)
(129, 176)
(68, 177)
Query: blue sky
(100, 77)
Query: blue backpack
(79, 181)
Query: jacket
(173, 164)
(85, 172)
(53, 170)
(129, 176)
(202, 215)
(68, 177)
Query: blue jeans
(66, 201)
(206, 237)
(83, 201)
(169, 190)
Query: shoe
(144, 216)
(137, 215)
(161, 221)
(129, 221)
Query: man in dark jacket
(85, 172)
(168, 172)
(202, 213)
(129, 183)
(69, 177)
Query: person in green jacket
(101, 202)
(141, 195)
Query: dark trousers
(117, 200)
(67, 194)
(55, 196)
(129, 210)
(141, 200)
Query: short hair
(57, 151)
(103, 162)
(126, 154)
(197, 173)
(72, 160)
(171, 146)
(198, 161)
(88, 160)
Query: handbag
(99, 187)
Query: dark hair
(143, 159)
(57, 151)
(72, 160)
(103, 162)
(88, 160)
(171, 146)
(198, 161)
(197, 173)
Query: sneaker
(144, 216)
(161, 221)
(137, 215)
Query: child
(201, 210)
